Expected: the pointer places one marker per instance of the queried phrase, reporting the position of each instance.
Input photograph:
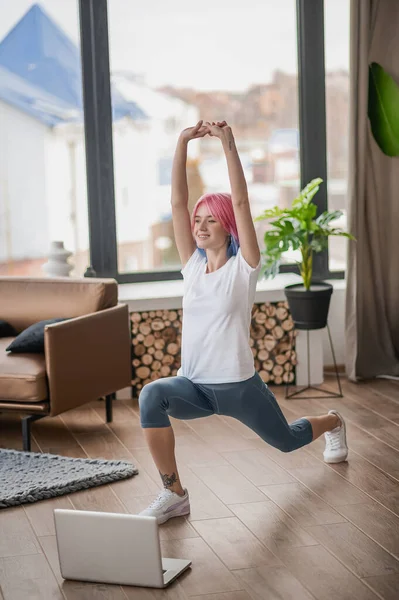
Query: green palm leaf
(383, 109)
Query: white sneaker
(168, 504)
(336, 450)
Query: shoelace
(159, 499)
(333, 440)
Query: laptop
(113, 548)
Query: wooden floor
(263, 524)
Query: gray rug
(31, 476)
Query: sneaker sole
(181, 512)
(335, 460)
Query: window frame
(99, 143)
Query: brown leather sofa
(86, 357)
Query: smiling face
(208, 232)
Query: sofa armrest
(87, 357)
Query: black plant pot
(309, 308)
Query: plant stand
(325, 392)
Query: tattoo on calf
(168, 480)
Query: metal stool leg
(326, 393)
(340, 395)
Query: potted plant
(298, 228)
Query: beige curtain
(372, 302)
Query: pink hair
(220, 206)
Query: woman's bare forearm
(179, 175)
(239, 190)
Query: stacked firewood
(156, 339)
(272, 339)
(156, 342)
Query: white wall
(37, 191)
(24, 227)
(66, 187)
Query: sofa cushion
(22, 376)
(6, 330)
(27, 300)
(31, 340)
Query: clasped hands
(201, 129)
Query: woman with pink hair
(219, 252)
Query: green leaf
(338, 232)
(270, 213)
(311, 188)
(383, 109)
(326, 217)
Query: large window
(257, 64)
(175, 63)
(336, 18)
(42, 157)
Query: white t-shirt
(216, 320)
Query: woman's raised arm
(239, 194)
(180, 213)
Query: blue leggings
(250, 401)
